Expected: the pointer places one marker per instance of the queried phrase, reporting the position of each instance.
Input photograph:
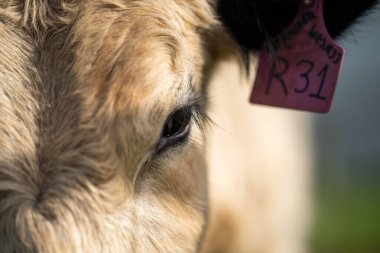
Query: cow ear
(251, 22)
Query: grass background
(347, 219)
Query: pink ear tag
(300, 68)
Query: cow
(103, 120)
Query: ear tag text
(300, 68)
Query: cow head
(102, 109)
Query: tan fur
(85, 88)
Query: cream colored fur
(260, 162)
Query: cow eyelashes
(176, 128)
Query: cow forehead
(119, 39)
(138, 42)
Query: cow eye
(176, 129)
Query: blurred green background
(347, 141)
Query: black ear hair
(251, 22)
